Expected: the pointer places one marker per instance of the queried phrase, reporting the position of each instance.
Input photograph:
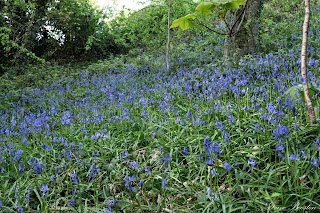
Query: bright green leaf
(205, 8)
(296, 92)
(184, 22)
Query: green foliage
(205, 9)
(184, 22)
(296, 94)
(146, 29)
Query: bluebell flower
(164, 183)
(215, 196)
(124, 154)
(21, 168)
(147, 170)
(185, 151)
(74, 178)
(24, 140)
(128, 179)
(44, 189)
(1, 204)
(280, 132)
(294, 157)
(108, 210)
(200, 156)
(313, 62)
(231, 119)
(252, 163)
(140, 183)
(162, 149)
(280, 147)
(112, 203)
(189, 114)
(271, 108)
(66, 118)
(46, 147)
(27, 197)
(167, 159)
(226, 136)
(206, 144)
(209, 161)
(315, 162)
(18, 155)
(213, 173)
(134, 165)
(71, 203)
(227, 166)
(19, 208)
(220, 126)
(208, 195)
(94, 170)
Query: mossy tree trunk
(246, 39)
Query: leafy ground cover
(205, 138)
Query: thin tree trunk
(311, 114)
(226, 51)
(168, 41)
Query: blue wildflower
(71, 203)
(27, 197)
(252, 163)
(112, 203)
(18, 155)
(213, 173)
(128, 180)
(108, 210)
(167, 159)
(75, 178)
(208, 193)
(294, 157)
(220, 126)
(134, 165)
(209, 161)
(46, 147)
(185, 151)
(164, 183)
(215, 196)
(227, 166)
(147, 170)
(189, 114)
(124, 154)
(315, 162)
(140, 184)
(214, 148)
(94, 170)
(44, 189)
(281, 131)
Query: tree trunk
(311, 114)
(246, 39)
(226, 49)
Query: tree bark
(305, 31)
(246, 39)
